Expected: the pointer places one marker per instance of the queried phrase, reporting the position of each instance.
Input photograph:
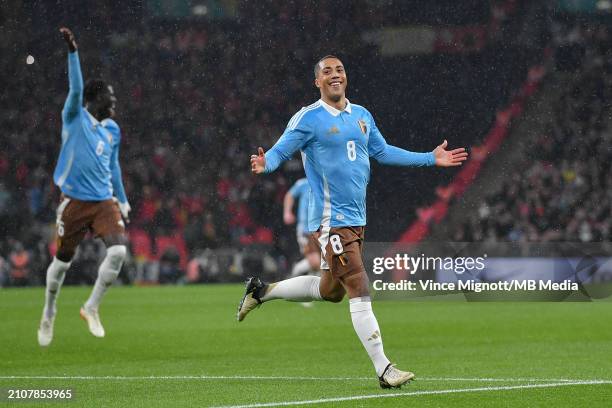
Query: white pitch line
(180, 377)
(274, 378)
(413, 394)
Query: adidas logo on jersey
(333, 130)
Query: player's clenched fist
(258, 161)
(69, 38)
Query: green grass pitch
(182, 347)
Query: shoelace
(392, 372)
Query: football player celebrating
(337, 139)
(93, 198)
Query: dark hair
(317, 68)
(93, 88)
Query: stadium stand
(196, 97)
(560, 190)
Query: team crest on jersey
(333, 130)
(363, 126)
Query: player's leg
(298, 289)
(344, 258)
(110, 227)
(314, 260)
(70, 230)
(302, 267)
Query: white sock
(301, 268)
(298, 289)
(107, 273)
(366, 327)
(56, 272)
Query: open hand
(449, 158)
(258, 162)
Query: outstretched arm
(394, 156)
(74, 101)
(290, 142)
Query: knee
(65, 254)
(357, 285)
(116, 255)
(333, 297)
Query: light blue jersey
(88, 165)
(336, 149)
(301, 191)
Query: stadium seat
(164, 242)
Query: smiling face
(330, 78)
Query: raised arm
(74, 101)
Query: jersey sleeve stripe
(295, 120)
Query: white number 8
(351, 150)
(336, 244)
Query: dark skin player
(99, 100)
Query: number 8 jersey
(336, 148)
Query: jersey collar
(333, 111)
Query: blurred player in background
(88, 174)
(337, 139)
(311, 262)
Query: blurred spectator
(19, 259)
(564, 193)
(195, 99)
(169, 266)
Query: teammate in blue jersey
(337, 140)
(300, 191)
(93, 198)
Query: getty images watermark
(556, 271)
(459, 265)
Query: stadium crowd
(564, 190)
(188, 129)
(194, 100)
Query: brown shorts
(75, 218)
(341, 250)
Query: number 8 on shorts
(336, 245)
